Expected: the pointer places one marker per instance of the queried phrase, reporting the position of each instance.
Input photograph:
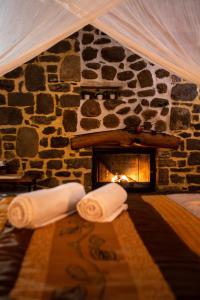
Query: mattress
(150, 252)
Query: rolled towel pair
(103, 204)
(39, 208)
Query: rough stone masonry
(43, 104)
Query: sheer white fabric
(29, 27)
(166, 32)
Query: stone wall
(150, 97)
(38, 103)
(42, 107)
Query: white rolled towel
(103, 204)
(39, 208)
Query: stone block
(89, 74)
(70, 100)
(185, 135)
(125, 75)
(89, 123)
(13, 166)
(113, 54)
(9, 138)
(10, 116)
(53, 153)
(9, 146)
(48, 182)
(94, 66)
(161, 73)
(36, 164)
(60, 47)
(123, 111)
(91, 108)
(52, 68)
(180, 118)
(34, 173)
(194, 158)
(138, 109)
(194, 188)
(59, 142)
(159, 102)
(59, 87)
(146, 93)
(132, 84)
(14, 73)
(181, 163)
(160, 125)
(34, 78)
(49, 58)
(77, 163)
(89, 53)
(175, 178)
(78, 174)
(52, 78)
(111, 121)
(49, 130)
(9, 130)
(70, 121)
(161, 88)
(63, 174)
(20, 99)
(166, 162)
(44, 104)
(126, 93)
(42, 119)
(7, 85)
(145, 78)
(149, 114)
(102, 41)
(178, 154)
(54, 164)
(163, 176)
(184, 92)
(27, 142)
(44, 142)
(70, 68)
(133, 57)
(138, 66)
(108, 72)
(87, 38)
(132, 122)
(193, 178)
(2, 99)
(193, 144)
(196, 108)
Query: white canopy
(166, 32)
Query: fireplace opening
(134, 169)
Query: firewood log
(126, 139)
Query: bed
(150, 252)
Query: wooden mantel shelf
(126, 138)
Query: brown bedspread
(151, 252)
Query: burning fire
(120, 178)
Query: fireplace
(133, 168)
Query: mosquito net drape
(29, 27)
(166, 32)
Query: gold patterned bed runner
(185, 224)
(75, 259)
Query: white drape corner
(166, 32)
(27, 28)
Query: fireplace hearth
(133, 168)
